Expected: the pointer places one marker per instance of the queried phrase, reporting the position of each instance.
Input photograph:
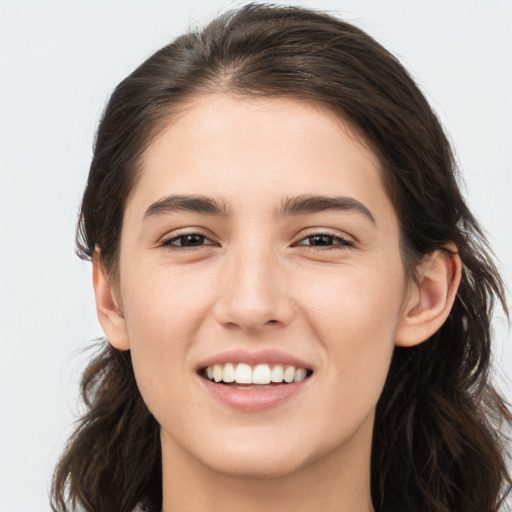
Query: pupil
(192, 240)
(322, 240)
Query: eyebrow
(195, 203)
(300, 205)
(306, 204)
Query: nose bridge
(252, 291)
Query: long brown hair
(438, 438)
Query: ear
(109, 313)
(431, 297)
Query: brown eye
(320, 240)
(187, 240)
(325, 240)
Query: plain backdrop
(59, 60)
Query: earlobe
(431, 297)
(109, 313)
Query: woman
(296, 298)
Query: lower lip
(253, 400)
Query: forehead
(246, 148)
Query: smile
(256, 376)
(254, 381)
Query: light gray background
(60, 60)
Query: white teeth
(277, 373)
(217, 372)
(243, 374)
(289, 374)
(300, 374)
(260, 375)
(228, 375)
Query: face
(259, 245)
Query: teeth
(243, 374)
(217, 372)
(228, 375)
(277, 373)
(300, 374)
(289, 374)
(259, 375)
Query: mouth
(259, 376)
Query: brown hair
(438, 440)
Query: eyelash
(336, 242)
(168, 243)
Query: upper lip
(268, 356)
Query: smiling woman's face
(260, 235)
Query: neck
(337, 482)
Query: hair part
(438, 443)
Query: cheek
(355, 314)
(163, 310)
(359, 304)
(163, 304)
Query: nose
(253, 291)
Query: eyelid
(345, 241)
(166, 240)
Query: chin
(254, 466)
(260, 455)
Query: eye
(326, 241)
(186, 241)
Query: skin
(255, 280)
